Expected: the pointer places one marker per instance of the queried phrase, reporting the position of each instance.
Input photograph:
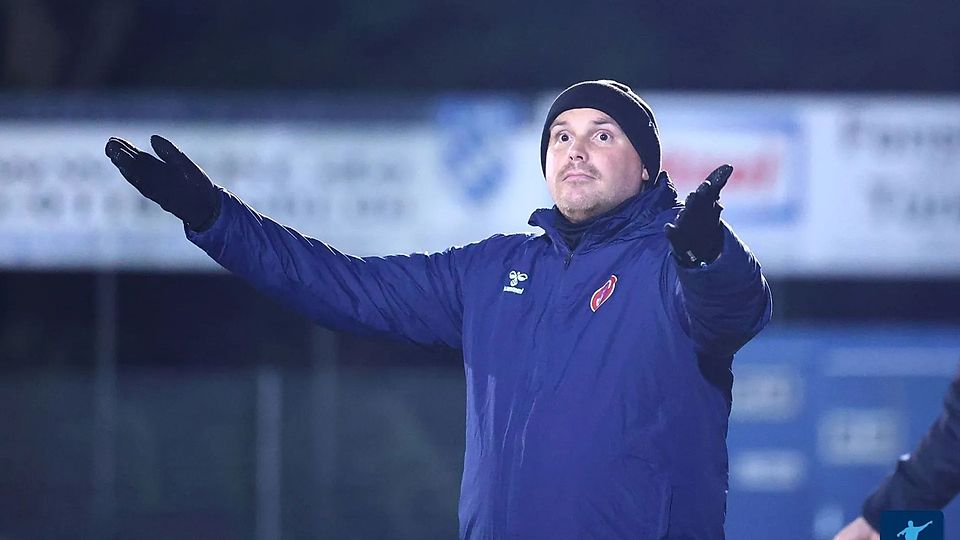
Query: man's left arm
(721, 290)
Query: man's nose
(577, 152)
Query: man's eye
(563, 137)
(603, 136)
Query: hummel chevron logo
(515, 279)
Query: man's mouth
(577, 176)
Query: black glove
(177, 184)
(697, 236)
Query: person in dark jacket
(926, 479)
(597, 354)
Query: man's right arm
(415, 297)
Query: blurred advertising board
(823, 186)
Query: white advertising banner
(823, 186)
(364, 190)
(828, 186)
(885, 179)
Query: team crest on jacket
(603, 293)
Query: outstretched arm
(415, 297)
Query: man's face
(591, 165)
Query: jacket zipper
(533, 388)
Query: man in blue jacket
(597, 355)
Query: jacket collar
(635, 217)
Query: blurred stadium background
(146, 394)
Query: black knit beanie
(619, 102)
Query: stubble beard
(583, 206)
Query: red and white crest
(603, 293)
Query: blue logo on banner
(911, 525)
(475, 148)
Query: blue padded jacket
(598, 381)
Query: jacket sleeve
(929, 477)
(413, 297)
(725, 304)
